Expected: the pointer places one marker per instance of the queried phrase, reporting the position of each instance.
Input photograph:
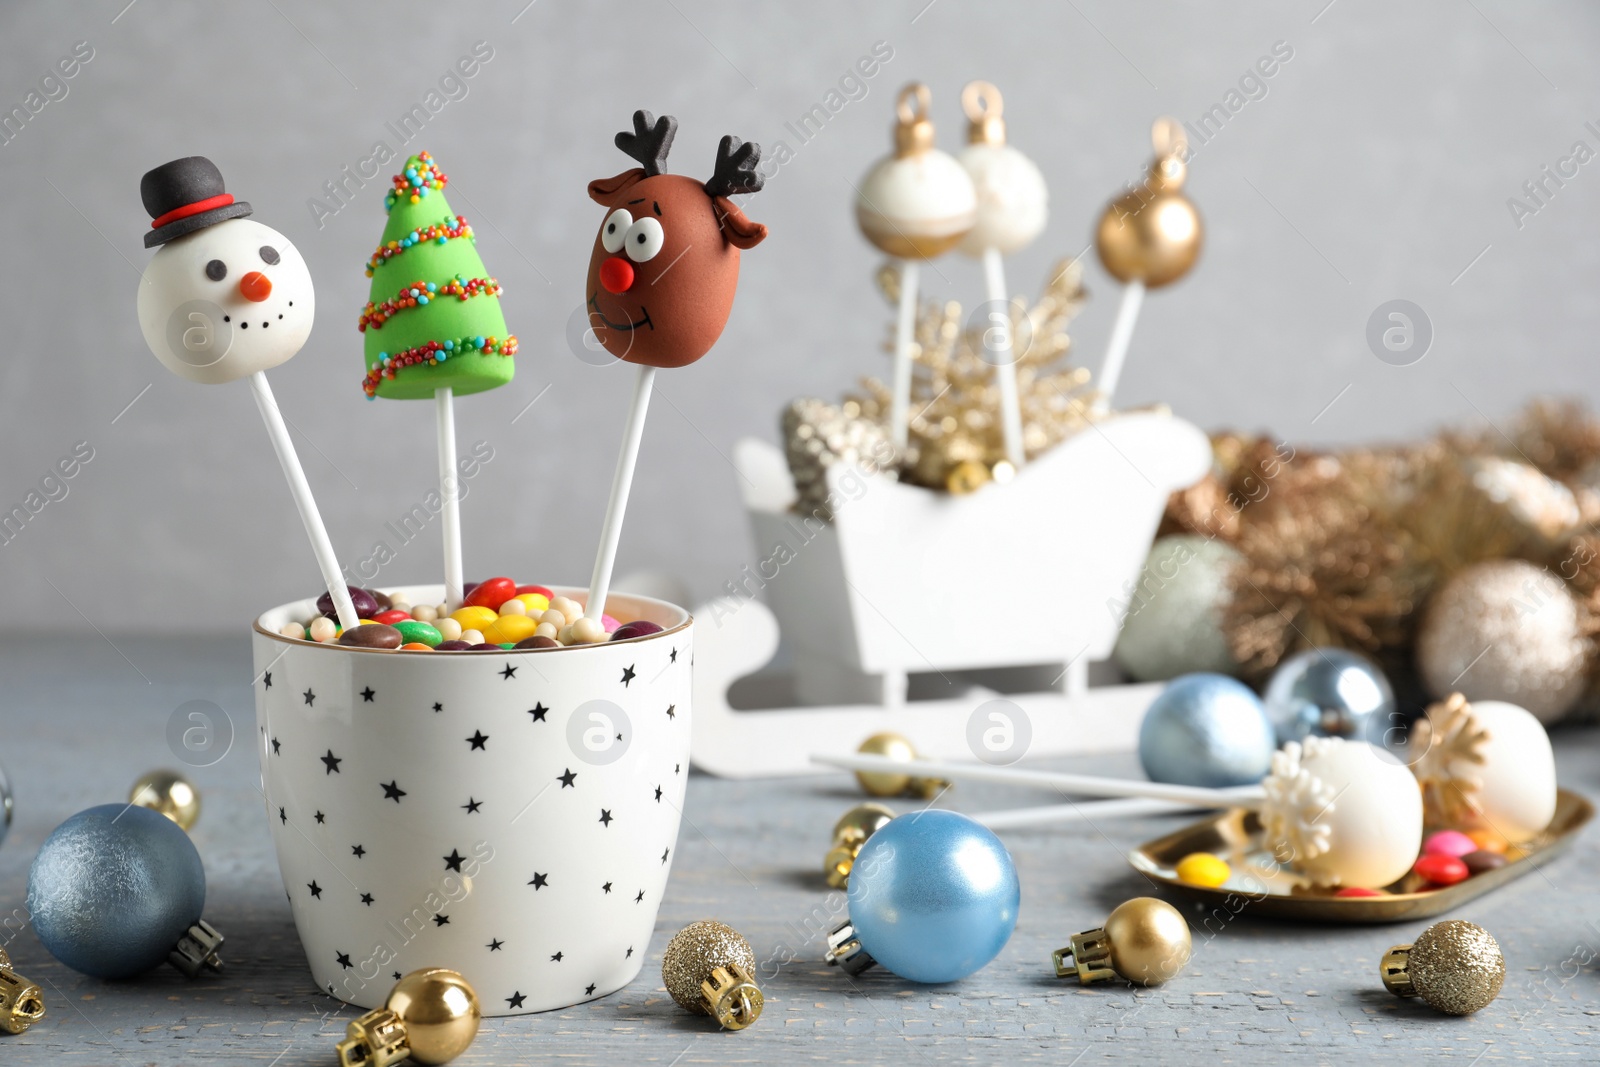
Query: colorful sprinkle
(420, 292)
(414, 183)
(438, 233)
(388, 365)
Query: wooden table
(83, 718)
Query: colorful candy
(1483, 861)
(1203, 869)
(372, 635)
(1441, 870)
(1359, 892)
(1448, 843)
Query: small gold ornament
(1450, 746)
(888, 783)
(849, 834)
(431, 1015)
(1152, 233)
(1145, 940)
(968, 476)
(169, 793)
(21, 1002)
(1454, 966)
(708, 969)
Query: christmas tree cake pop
(433, 318)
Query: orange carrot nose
(616, 274)
(255, 286)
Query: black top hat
(184, 196)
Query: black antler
(650, 140)
(736, 168)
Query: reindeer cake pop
(226, 298)
(661, 281)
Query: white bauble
(1012, 201)
(206, 328)
(1342, 813)
(916, 206)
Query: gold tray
(1259, 886)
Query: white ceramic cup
(510, 815)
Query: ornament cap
(1170, 167)
(21, 1001)
(1396, 971)
(840, 859)
(732, 997)
(197, 948)
(845, 951)
(984, 105)
(377, 1039)
(913, 132)
(1089, 956)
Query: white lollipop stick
(1005, 370)
(300, 489)
(449, 491)
(1121, 337)
(1053, 814)
(900, 403)
(621, 483)
(1086, 784)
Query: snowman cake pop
(226, 298)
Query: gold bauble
(1454, 966)
(885, 783)
(1152, 233)
(1149, 939)
(849, 834)
(440, 1011)
(708, 968)
(171, 794)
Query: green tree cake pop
(433, 325)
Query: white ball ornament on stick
(1011, 211)
(915, 204)
(1485, 765)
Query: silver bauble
(1174, 620)
(1206, 730)
(5, 804)
(1328, 692)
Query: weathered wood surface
(79, 722)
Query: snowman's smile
(244, 322)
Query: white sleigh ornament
(1036, 573)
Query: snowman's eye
(216, 270)
(615, 229)
(269, 255)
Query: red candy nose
(255, 286)
(616, 274)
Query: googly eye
(645, 239)
(615, 230)
(216, 270)
(269, 255)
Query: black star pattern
(397, 976)
(472, 806)
(311, 697)
(658, 794)
(494, 946)
(538, 711)
(283, 817)
(331, 762)
(454, 861)
(268, 679)
(357, 851)
(665, 853)
(589, 990)
(607, 887)
(368, 693)
(640, 897)
(629, 954)
(509, 673)
(316, 890)
(321, 818)
(674, 655)
(437, 707)
(539, 881)
(568, 778)
(677, 767)
(672, 711)
(557, 957)
(366, 898)
(605, 816)
(276, 748)
(344, 960)
(441, 920)
(392, 791)
(477, 740)
(627, 674)
(515, 999)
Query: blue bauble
(933, 896)
(114, 888)
(1206, 730)
(1328, 692)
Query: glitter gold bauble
(707, 968)
(1505, 630)
(1535, 503)
(1455, 967)
(849, 834)
(1145, 941)
(431, 1016)
(889, 783)
(171, 794)
(1152, 233)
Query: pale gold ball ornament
(1152, 233)
(708, 968)
(919, 202)
(890, 783)
(431, 1016)
(1454, 966)
(169, 793)
(1144, 941)
(849, 834)
(1012, 199)
(1505, 630)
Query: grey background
(1377, 166)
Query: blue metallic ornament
(117, 890)
(1206, 730)
(1328, 692)
(933, 897)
